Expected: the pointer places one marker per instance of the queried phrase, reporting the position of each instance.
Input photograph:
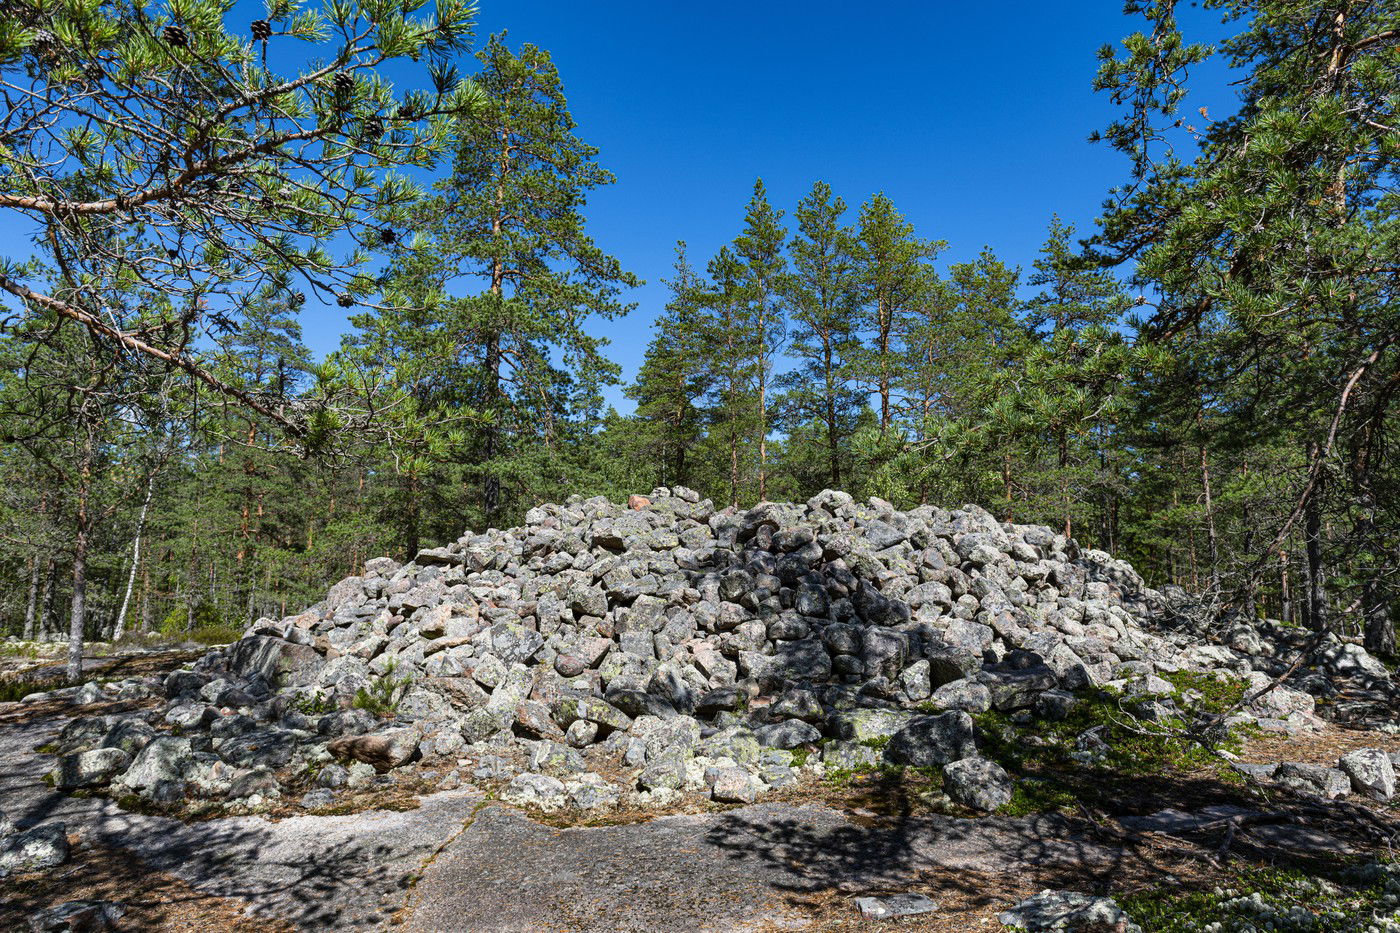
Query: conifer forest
(1204, 383)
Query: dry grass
(1321, 748)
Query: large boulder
(34, 850)
(933, 740)
(161, 763)
(282, 663)
(1068, 912)
(382, 750)
(1313, 780)
(977, 783)
(868, 725)
(90, 768)
(1370, 771)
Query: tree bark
(47, 622)
(82, 534)
(411, 519)
(31, 606)
(1212, 541)
(1379, 635)
(833, 446)
(491, 487)
(146, 597)
(1312, 532)
(119, 628)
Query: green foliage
(1213, 694)
(1132, 746)
(1039, 795)
(1289, 900)
(381, 696)
(816, 349)
(205, 625)
(316, 703)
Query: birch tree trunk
(119, 628)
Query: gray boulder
(933, 740)
(86, 916)
(894, 905)
(161, 762)
(536, 790)
(1370, 771)
(1315, 780)
(282, 663)
(977, 783)
(734, 785)
(849, 756)
(381, 750)
(790, 733)
(966, 695)
(35, 849)
(88, 769)
(864, 725)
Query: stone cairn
(607, 655)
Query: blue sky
(972, 119)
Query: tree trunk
(1006, 483)
(762, 431)
(47, 623)
(733, 468)
(884, 314)
(491, 487)
(82, 532)
(1285, 594)
(1312, 531)
(1063, 456)
(1249, 604)
(833, 447)
(120, 627)
(31, 606)
(411, 519)
(1380, 630)
(146, 597)
(1212, 543)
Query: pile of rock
(605, 654)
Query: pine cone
(262, 30)
(344, 84)
(175, 36)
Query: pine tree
(1266, 242)
(672, 378)
(1067, 388)
(824, 302)
(892, 274)
(732, 361)
(762, 280)
(509, 275)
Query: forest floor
(461, 860)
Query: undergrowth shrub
(383, 693)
